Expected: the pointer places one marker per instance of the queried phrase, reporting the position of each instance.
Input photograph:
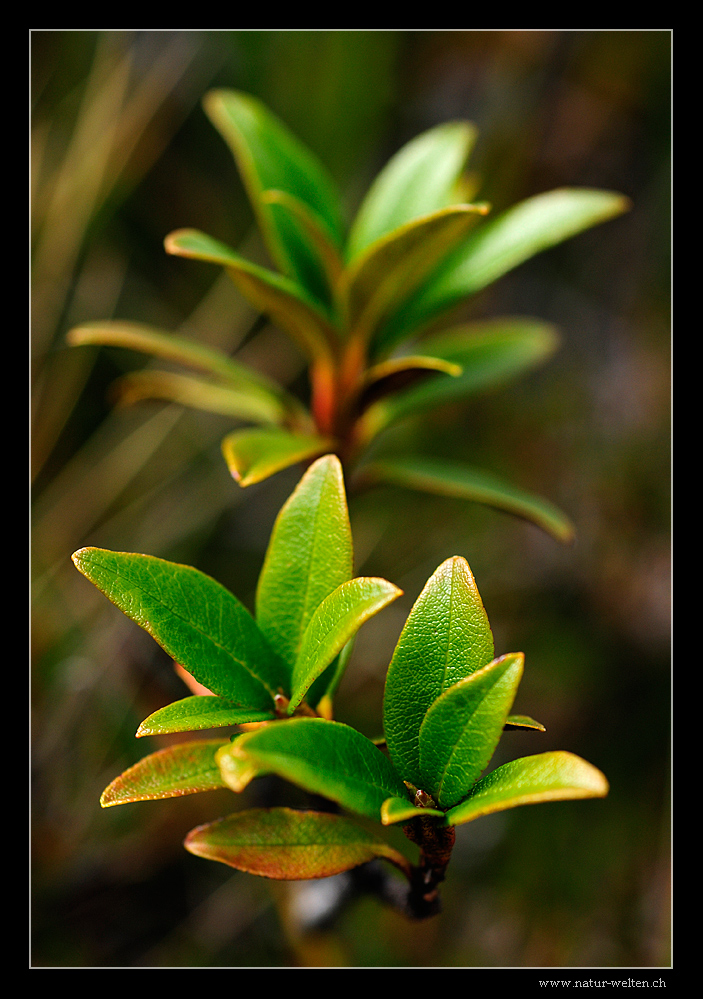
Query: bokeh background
(122, 155)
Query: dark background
(122, 155)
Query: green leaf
(308, 556)
(445, 639)
(390, 270)
(446, 478)
(191, 714)
(395, 810)
(555, 776)
(419, 179)
(488, 354)
(323, 243)
(187, 768)
(148, 340)
(323, 757)
(289, 845)
(269, 157)
(515, 723)
(195, 619)
(502, 244)
(399, 373)
(254, 455)
(284, 301)
(324, 688)
(336, 620)
(214, 398)
(463, 727)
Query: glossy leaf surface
(488, 354)
(323, 243)
(555, 776)
(333, 624)
(187, 768)
(502, 244)
(419, 179)
(445, 639)
(308, 556)
(194, 618)
(254, 455)
(192, 714)
(463, 726)
(289, 845)
(323, 757)
(446, 478)
(269, 156)
(284, 301)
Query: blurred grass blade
(502, 244)
(463, 727)
(286, 303)
(489, 354)
(555, 776)
(252, 407)
(187, 768)
(290, 845)
(419, 179)
(334, 623)
(450, 479)
(192, 714)
(270, 157)
(392, 268)
(254, 455)
(323, 757)
(195, 619)
(445, 639)
(308, 556)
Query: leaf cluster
(367, 306)
(447, 700)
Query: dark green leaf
(445, 639)
(308, 556)
(555, 776)
(323, 757)
(450, 479)
(194, 618)
(462, 728)
(419, 179)
(334, 623)
(289, 845)
(187, 768)
(500, 245)
(199, 712)
(270, 157)
(254, 455)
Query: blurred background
(122, 154)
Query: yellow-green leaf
(555, 776)
(192, 714)
(187, 768)
(254, 455)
